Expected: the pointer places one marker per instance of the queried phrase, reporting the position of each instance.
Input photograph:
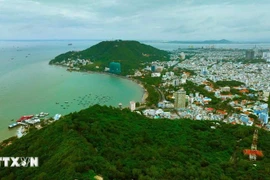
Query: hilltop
(129, 53)
(119, 144)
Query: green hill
(119, 144)
(129, 53)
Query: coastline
(145, 92)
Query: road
(161, 94)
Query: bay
(28, 85)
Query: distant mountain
(119, 144)
(129, 53)
(222, 41)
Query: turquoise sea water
(28, 85)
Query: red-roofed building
(244, 91)
(209, 109)
(221, 112)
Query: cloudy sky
(236, 20)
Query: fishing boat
(13, 125)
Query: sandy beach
(145, 94)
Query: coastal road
(161, 94)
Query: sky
(183, 20)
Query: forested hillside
(129, 53)
(119, 144)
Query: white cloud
(140, 19)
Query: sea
(29, 85)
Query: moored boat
(13, 125)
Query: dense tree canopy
(129, 53)
(229, 83)
(119, 144)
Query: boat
(70, 44)
(23, 118)
(43, 114)
(13, 125)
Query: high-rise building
(132, 105)
(184, 78)
(153, 67)
(266, 56)
(176, 82)
(182, 56)
(180, 99)
(115, 67)
(250, 54)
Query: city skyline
(181, 20)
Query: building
(250, 54)
(225, 89)
(184, 78)
(208, 88)
(265, 95)
(132, 105)
(120, 105)
(137, 73)
(156, 68)
(266, 56)
(57, 117)
(204, 71)
(159, 68)
(262, 112)
(153, 67)
(180, 99)
(155, 74)
(264, 117)
(182, 56)
(175, 82)
(115, 68)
